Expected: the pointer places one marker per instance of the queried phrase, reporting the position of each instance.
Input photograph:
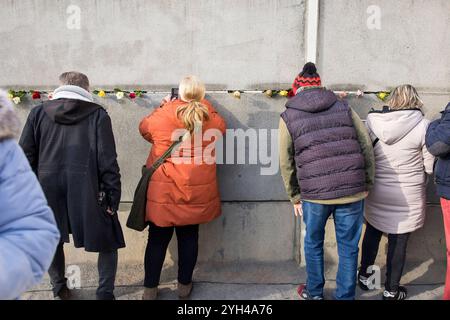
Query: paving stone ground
(277, 281)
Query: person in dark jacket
(438, 144)
(70, 145)
(327, 164)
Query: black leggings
(155, 253)
(396, 255)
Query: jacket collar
(301, 89)
(312, 100)
(386, 109)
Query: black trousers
(396, 255)
(107, 269)
(155, 253)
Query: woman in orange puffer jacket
(183, 192)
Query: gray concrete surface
(253, 111)
(247, 44)
(246, 233)
(410, 47)
(230, 44)
(220, 291)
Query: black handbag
(136, 219)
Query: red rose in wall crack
(132, 95)
(36, 95)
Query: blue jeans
(348, 221)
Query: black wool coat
(70, 146)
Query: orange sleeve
(147, 125)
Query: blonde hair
(194, 112)
(405, 97)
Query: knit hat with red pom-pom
(307, 78)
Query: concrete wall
(411, 46)
(238, 182)
(244, 45)
(237, 44)
(257, 224)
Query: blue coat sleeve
(438, 136)
(28, 232)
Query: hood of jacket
(70, 105)
(391, 126)
(9, 121)
(447, 108)
(69, 111)
(313, 100)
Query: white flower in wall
(16, 100)
(120, 95)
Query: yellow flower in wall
(102, 94)
(383, 95)
(10, 96)
(237, 94)
(283, 93)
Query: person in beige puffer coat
(396, 205)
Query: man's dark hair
(74, 78)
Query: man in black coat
(70, 145)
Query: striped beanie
(307, 78)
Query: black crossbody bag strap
(372, 135)
(166, 154)
(374, 143)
